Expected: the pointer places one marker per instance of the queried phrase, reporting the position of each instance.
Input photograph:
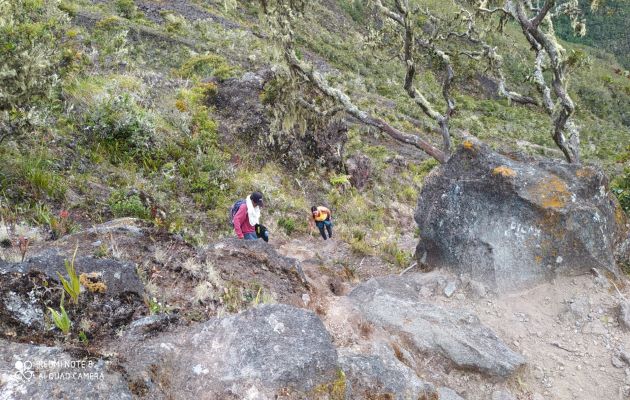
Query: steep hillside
(607, 28)
(128, 129)
(145, 70)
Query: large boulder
(29, 372)
(262, 353)
(512, 221)
(455, 335)
(247, 262)
(111, 294)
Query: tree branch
(542, 13)
(318, 81)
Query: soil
(567, 329)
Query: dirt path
(567, 329)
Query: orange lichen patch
(468, 145)
(91, 281)
(503, 171)
(585, 172)
(550, 193)
(538, 259)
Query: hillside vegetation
(130, 127)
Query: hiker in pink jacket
(247, 216)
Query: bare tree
(281, 15)
(443, 38)
(536, 22)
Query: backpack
(262, 232)
(235, 209)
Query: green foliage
(340, 180)
(621, 188)
(396, 255)
(83, 338)
(606, 27)
(288, 224)
(110, 38)
(121, 124)
(155, 306)
(123, 204)
(61, 319)
(207, 65)
(71, 285)
(202, 164)
(356, 8)
(175, 23)
(126, 8)
(30, 53)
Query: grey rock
(151, 325)
(260, 353)
(243, 115)
(617, 362)
(625, 357)
(450, 288)
(577, 309)
(448, 394)
(478, 289)
(538, 396)
(381, 376)
(29, 372)
(624, 314)
(513, 222)
(502, 395)
(457, 335)
(359, 167)
(28, 288)
(249, 260)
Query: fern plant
(61, 318)
(72, 286)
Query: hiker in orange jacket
(322, 217)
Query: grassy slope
(188, 172)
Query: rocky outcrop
(258, 354)
(359, 168)
(245, 117)
(453, 334)
(624, 314)
(30, 372)
(381, 376)
(111, 295)
(254, 260)
(512, 222)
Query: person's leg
(250, 236)
(329, 228)
(320, 226)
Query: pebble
(450, 289)
(617, 362)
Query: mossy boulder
(513, 221)
(111, 295)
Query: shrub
(288, 224)
(124, 205)
(126, 8)
(206, 65)
(120, 123)
(30, 53)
